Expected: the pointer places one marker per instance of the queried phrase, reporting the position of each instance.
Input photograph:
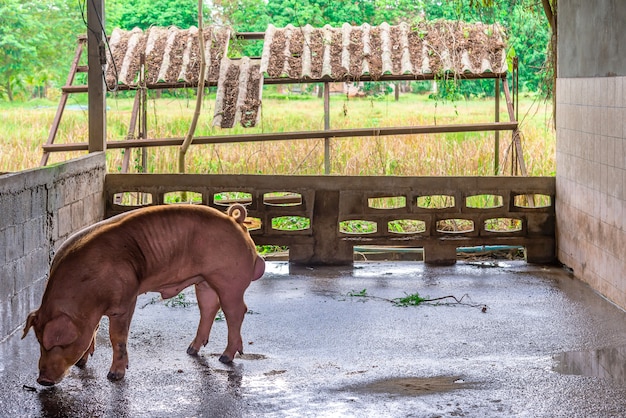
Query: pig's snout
(51, 373)
(47, 377)
(44, 381)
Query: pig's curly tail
(237, 211)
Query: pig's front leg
(119, 323)
(92, 347)
(234, 310)
(209, 304)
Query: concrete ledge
(326, 201)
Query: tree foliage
(36, 37)
(128, 14)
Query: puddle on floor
(605, 363)
(412, 386)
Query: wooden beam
(286, 80)
(496, 151)
(327, 127)
(61, 108)
(285, 136)
(95, 76)
(509, 100)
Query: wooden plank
(95, 76)
(284, 136)
(131, 130)
(61, 108)
(327, 127)
(496, 151)
(509, 102)
(286, 80)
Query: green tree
(129, 14)
(243, 16)
(396, 11)
(36, 36)
(15, 48)
(320, 12)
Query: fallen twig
(415, 299)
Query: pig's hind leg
(209, 304)
(234, 310)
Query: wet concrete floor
(328, 342)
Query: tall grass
(24, 128)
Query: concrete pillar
(540, 251)
(326, 248)
(440, 254)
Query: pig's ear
(30, 321)
(60, 331)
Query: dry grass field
(24, 128)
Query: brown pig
(101, 270)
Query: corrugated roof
(303, 53)
(351, 52)
(239, 91)
(172, 55)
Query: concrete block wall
(39, 209)
(591, 173)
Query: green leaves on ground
(414, 299)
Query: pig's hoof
(192, 351)
(113, 376)
(225, 359)
(81, 363)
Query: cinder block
(56, 198)
(19, 273)
(7, 282)
(64, 216)
(14, 242)
(95, 207)
(38, 201)
(4, 319)
(11, 318)
(3, 246)
(6, 209)
(37, 264)
(34, 234)
(71, 187)
(37, 290)
(19, 309)
(78, 216)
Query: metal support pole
(96, 87)
(326, 127)
(496, 153)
